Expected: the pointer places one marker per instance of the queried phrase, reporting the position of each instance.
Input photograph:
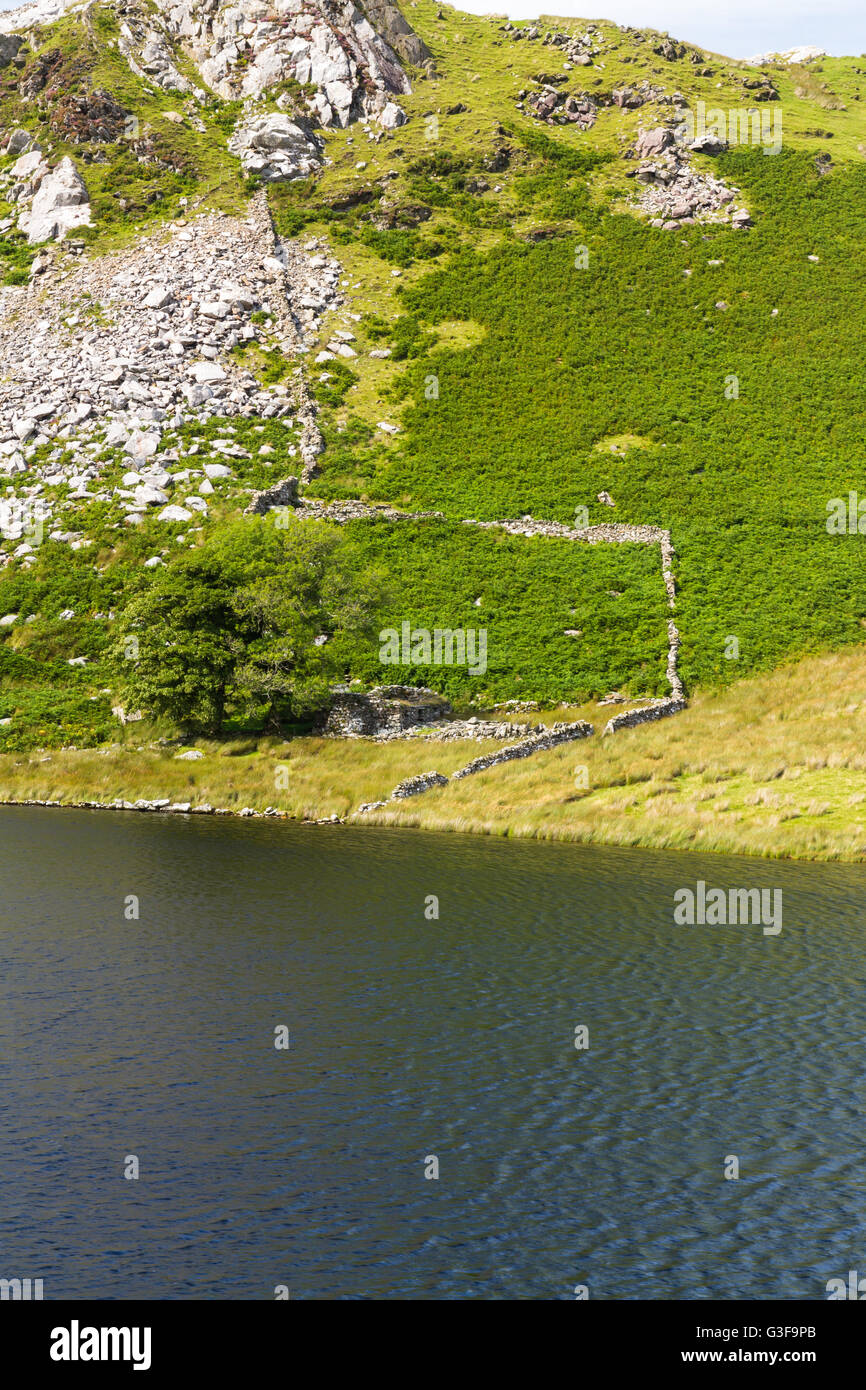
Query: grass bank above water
(774, 766)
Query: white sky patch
(738, 28)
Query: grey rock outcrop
(397, 32)
(61, 202)
(242, 49)
(276, 148)
(10, 47)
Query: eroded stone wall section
(539, 742)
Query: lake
(416, 1041)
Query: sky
(737, 28)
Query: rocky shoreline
(165, 806)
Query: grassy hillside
(773, 766)
(545, 344)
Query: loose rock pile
(554, 106)
(112, 352)
(579, 49)
(674, 193)
(560, 108)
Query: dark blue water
(412, 1037)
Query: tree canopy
(260, 615)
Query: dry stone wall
(609, 533)
(539, 742)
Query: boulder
(61, 203)
(27, 164)
(141, 445)
(653, 142)
(158, 297)
(207, 372)
(275, 148)
(18, 142)
(147, 496)
(391, 116)
(709, 144)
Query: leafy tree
(306, 619)
(257, 614)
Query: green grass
(531, 592)
(631, 346)
(771, 767)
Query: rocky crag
(114, 351)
